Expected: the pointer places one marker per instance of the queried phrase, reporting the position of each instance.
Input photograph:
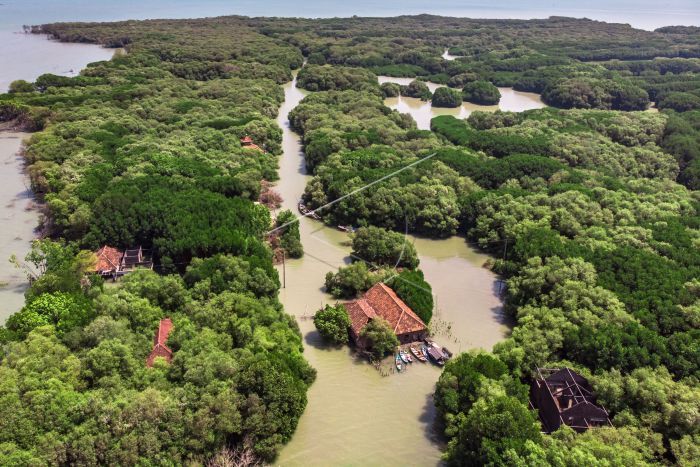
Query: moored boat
(424, 350)
(418, 354)
(436, 356)
(302, 208)
(398, 362)
(403, 355)
(346, 228)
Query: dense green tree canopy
(481, 92)
(332, 323)
(290, 239)
(378, 246)
(416, 89)
(379, 337)
(412, 288)
(446, 97)
(332, 78)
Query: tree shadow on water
(432, 426)
(314, 339)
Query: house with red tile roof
(115, 263)
(109, 260)
(160, 349)
(247, 142)
(382, 301)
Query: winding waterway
(422, 111)
(355, 416)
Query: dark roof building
(382, 301)
(114, 262)
(160, 349)
(136, 258)
(563, 397)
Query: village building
(247, 142)
(563, 397)
(135, 258)
(160, 349)
(381, 301)
(109, 261)
(112, 262)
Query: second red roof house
(160, 349)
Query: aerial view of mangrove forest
(409, 240)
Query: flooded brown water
(422, 112)
(26, 56)
(17, 220)
(356, 416)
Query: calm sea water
(646, 14)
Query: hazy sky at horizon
(647, 14)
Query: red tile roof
(382, 301)
(160, 349)
(108, 259)
(247, 142)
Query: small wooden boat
(418, 354)
(398, 362)
(307, 212)
(403, 355)
(346, 228)
(302, 208)
(408, 356)
(424, 349)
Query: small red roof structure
(108, 260)
(160, 349)
(382, 301)
(247, 142)
(115, 263)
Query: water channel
(422, 111)
(356, 416)
(26, 56)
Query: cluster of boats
(423, 352)
(308, 212)
(312, 214)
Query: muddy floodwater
(26, 56)
(422, 112)
(17, 219)
(356, 416)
